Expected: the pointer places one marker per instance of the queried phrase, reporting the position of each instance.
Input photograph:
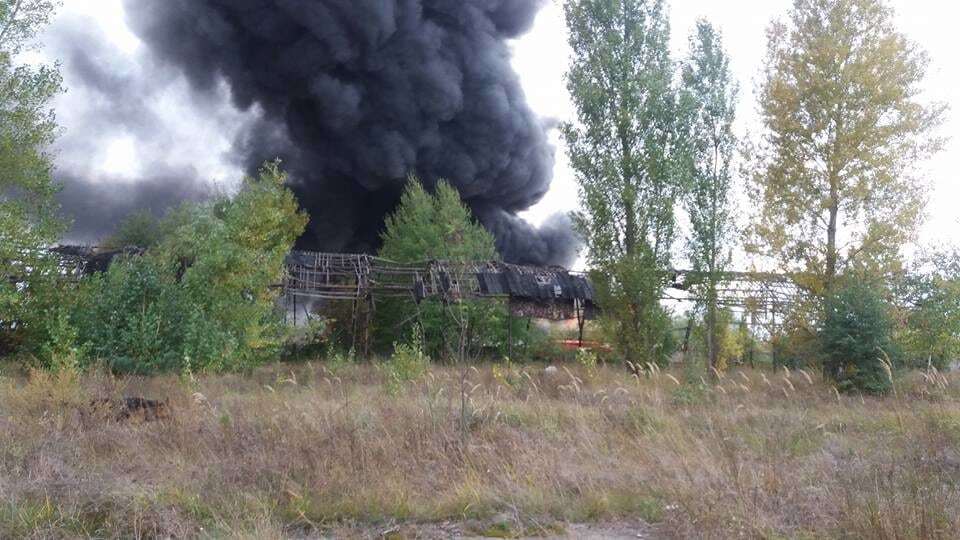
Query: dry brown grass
(295, 450)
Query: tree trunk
(630, 232)
(712, 333)
(830, 272)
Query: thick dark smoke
(96, 207)
(354, 95)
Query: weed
(288, 451)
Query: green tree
(844, 130)
(141, 229)
(930, 293)
(438, 227)
(434, 226)
(856, 337)
(28, 211)
(711, 93)
(202, 298)
(627, 152)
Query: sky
(540, 59)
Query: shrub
(407, 363)
(633, 319)
(930, 330)
(856, 336)
(203, 296)
(309, 340)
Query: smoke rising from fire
(355, 95)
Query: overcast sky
(541, 59)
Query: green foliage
(627, 146)
(202, 298)
(711, 95)
(21, 20)
(434, 226)
(856, 337)
(60, 351)
(28, 212)
(633, 319)
(438, 226)
(308, 341)
(629, 150)
(137, 317)
(141, 229)
(407, 363)
(732, 340)
(930, 330)
(339, 360)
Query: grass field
(496, 450)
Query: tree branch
(11, 20)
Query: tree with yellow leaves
(845, 130)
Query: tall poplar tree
(623, 148)
(845, 130)
(711, 94)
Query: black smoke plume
(352, 95)
(357, 94)
(96, 207)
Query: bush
(639, 328)
(930, 333)
(407, 363)
(202, 298)
(856, 337)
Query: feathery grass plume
(790, 384)
(653, 370)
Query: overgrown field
(498, 449)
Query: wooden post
(509, 331)
(353, 327)
(367, 321)
(581, 320)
